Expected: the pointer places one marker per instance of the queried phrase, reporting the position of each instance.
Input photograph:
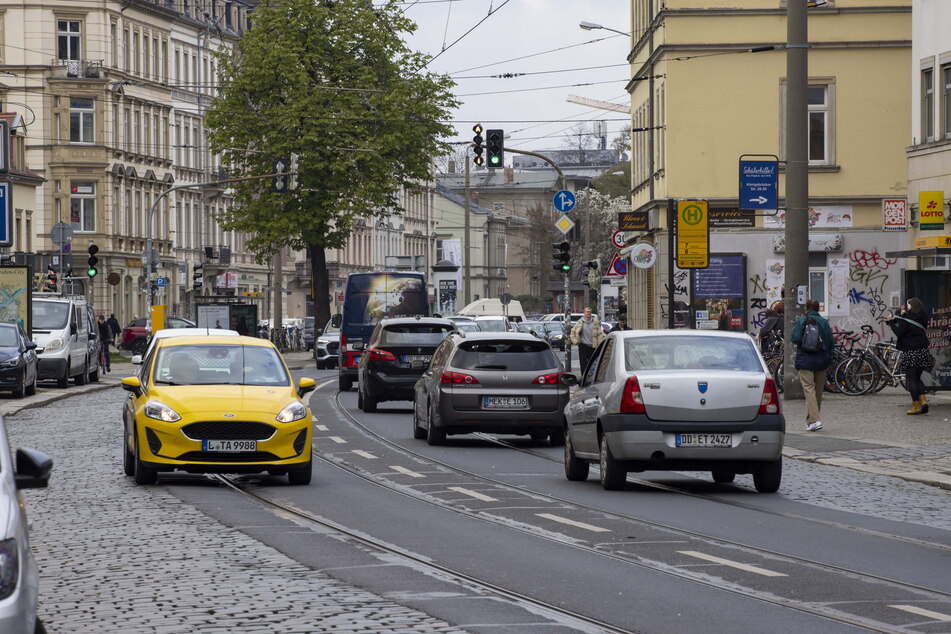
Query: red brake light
(375, 354)
(546, 379)
(631, 400)
(343, 341)
(458, 378)
(769, 404)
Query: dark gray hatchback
(496, 382)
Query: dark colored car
(134, 337)
(17, 361)
(494, 382)
(555, 334)
(397, 354)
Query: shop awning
(911, 253)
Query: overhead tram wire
(553, 50)
(473, 28)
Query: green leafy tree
(333, 82)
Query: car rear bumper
(496, 421)
(388, 387)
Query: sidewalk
(868, 433)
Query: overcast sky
(527, 36)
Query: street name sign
(693, 234)
(759, 183)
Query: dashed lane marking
(406, 471)
(732, 564)
(321, 427)
(565, 520)
(365, 454)
(338, 440)
(928, 614)
(474, 494)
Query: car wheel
(556, 437)
(142, 473)
(538, 436)
(138, 346)
(359, 398)
(575, 469)
(321, 365)
(434, 435)
(613, 474)
(767, 476)
(20, 391)
(63, 381)
(302, 475)
(94, 373)
(128, 458)
(344, 384)
(723, 476)
(418, 432)
(31, 388)
(369, 404)
(83, 376)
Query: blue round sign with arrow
(564, 201)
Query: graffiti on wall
(681, 292)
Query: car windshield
(330, 329)
(528, 326)
(50, 315)
(554, 326)
(9, 337)
(491, 325)
(504, 355)
(414, 334)
(218, 364)
(691, 353)
(466, 326)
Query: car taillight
(547, 379)
(769, 404)
(631, 400)
(343, 341)
(375, 354)
(457, 378)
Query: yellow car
(216, 404)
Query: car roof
(215, 339)
(433, 321)
(165, 333)
(509, 335)
(681, 332)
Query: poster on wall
(15, 291)
(933, 288)
(243, 318)
(212, 316)
(718, 293)
(775, 280)
(830, 216)
(838, 287)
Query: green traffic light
(494, 159)
(92, 272)
(565, 267)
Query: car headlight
(161, 411)
(55, 343)
(323, 342)
(294, 410)
(9, 567)
(12, 362)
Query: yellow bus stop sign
(693, 234)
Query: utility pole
(797, 180)
(466, 270)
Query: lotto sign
(931, 210)
(693, 234)
(894, 214)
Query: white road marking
(321, 427)
(565, 520)
(365, 454)
(325, 383)
(732, 564)
(475, 494)
(338, 440)
(406, 471)
(937, 616)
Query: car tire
(418, 432)
(576, 469)
(320, 365)
(20, 391)
(613, 474)
(128, 457)
(768, 476)
(142, 473)
(556, 437)
(302, 475)
(94, 373)
(63, 381)
(138, 346)
(723, 476)
(31, 388)
(83, 376)
(369, 404)
(434, 435)
(344, 384)
(38, 627)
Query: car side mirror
(31, 345)
(33, 469)
(336, 320)
(306, 385)
(568, 379)
(137, 359)
(132, 384)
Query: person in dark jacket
(812, 365)
(105, 338)
(114, 325)
(620, 325)
(771, 331)
(910, 328)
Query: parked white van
(61, 332)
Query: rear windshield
(504, 355)
(691, 353)
(414, 335)
(50, 315)
(491, 325)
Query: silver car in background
(327, 347)
(685, 400)
(19, 578)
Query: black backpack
(810, 336)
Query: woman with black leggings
(910, 328)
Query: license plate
(229, 445)
(705, 440)
(504, 402)
(409, 358)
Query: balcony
(77, 68)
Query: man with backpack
(812, 337)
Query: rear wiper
(490, 367)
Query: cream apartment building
(701, 99)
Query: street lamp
(591, 26)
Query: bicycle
(875, 366)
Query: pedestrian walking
(587, 334)
(114, 325)
(105, 338)
(771, 330)
(910, 328)
(620, 325)
(812, 337)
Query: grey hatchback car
(495, 382)
(683, 400)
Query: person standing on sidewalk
(812, 364)
(105, 338)
(114, 325)
(910, 327)
(620, 325)
(587, 334)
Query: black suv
(397, 354)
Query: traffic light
(91, 270)
(68, 277)
(477, 144)
(495, 148)
(561, 256)
(295, 162)
(51, 279)
(279, 182)
(197, 279)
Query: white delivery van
(494, 307)
(61, 332)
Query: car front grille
(228, 430)
(333, 347)
(218, 456)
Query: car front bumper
(51, 368)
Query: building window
(82, 206)
(821, 123)
(114, 43)
(946, 100)
(68, 39)
(927, 104)
(82, 120)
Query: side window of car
(593, 365)
(604, 363)
(439, 356)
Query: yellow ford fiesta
(216, 404)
